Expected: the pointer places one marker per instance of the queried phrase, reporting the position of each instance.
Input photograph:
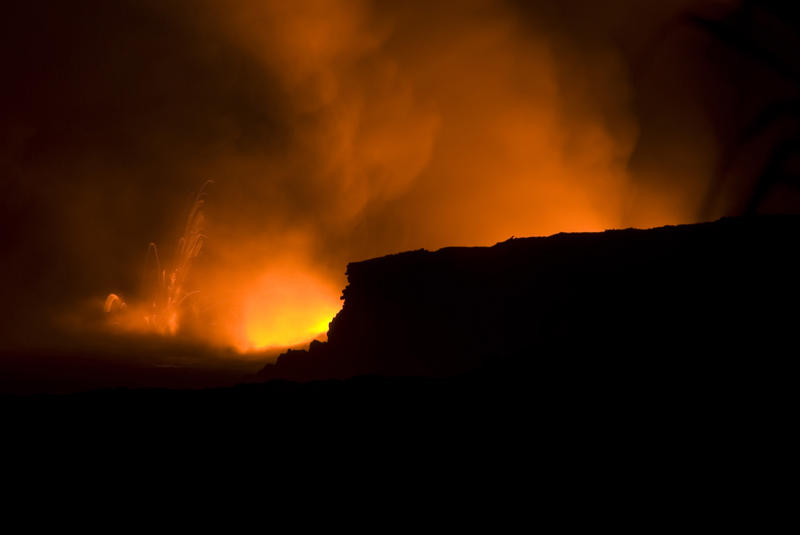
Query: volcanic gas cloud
(334, 131)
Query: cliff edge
(700, 295)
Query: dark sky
(341, 130)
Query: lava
(161, 309)
(283, 302)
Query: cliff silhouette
(671, 300)
(629, 366)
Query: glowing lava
(284, 304)
(289, 306)
(165, 288)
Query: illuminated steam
(344, 130)
(400, 128)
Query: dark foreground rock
(668, 301)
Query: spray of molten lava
(165, 287)
(283, 302)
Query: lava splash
(165, 288)
(249, 307)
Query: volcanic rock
(689, 298)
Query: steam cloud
(335, 130)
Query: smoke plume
(334, 130)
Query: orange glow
(389, 129)
(288, 307)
